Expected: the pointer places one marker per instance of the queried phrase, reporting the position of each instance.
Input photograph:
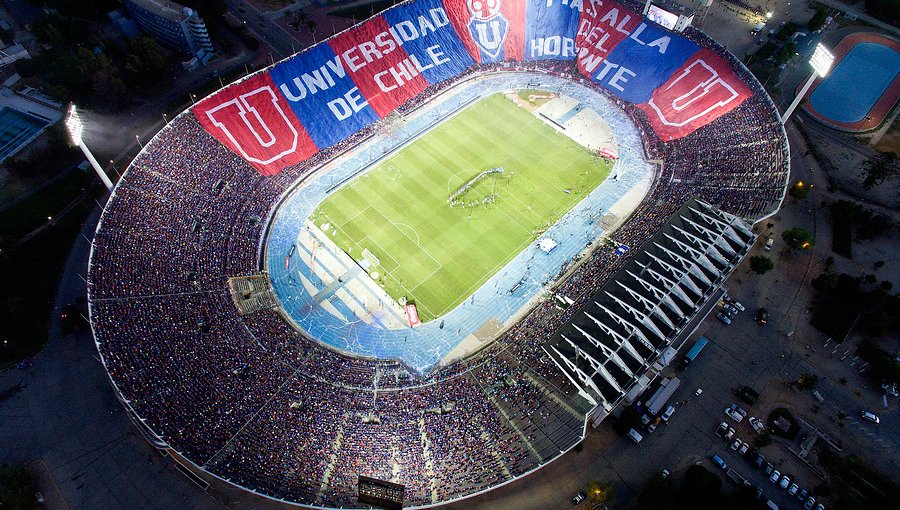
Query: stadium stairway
(429, 462)
(332, 461)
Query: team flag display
(283, 115)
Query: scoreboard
(668, 14)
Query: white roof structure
(631, 320)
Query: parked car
(719, 462)
(820, 506)
(733, 414)
(793, 489)
(760, 460)
(775, 476)
(744, 447)
(802, 495)
(724, 318)
(581, 496)
(730, 311)
(809, 503)
(785, 481)
(667, 413)
(635, 435)
(735, 445)
(757, 424)
(723, 428)
(740, 410)
(769, 469)
(729, 434)
(871, 417)
(733, 302)
(762, 316)
(769, 243)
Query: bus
(695, 350)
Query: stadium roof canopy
(616, 337)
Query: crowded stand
(254, 401)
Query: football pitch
(397, 221)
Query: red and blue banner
(321, 93)
(699, 92)
(550, 28)
(330, 91)
(374, 57)
(492, 30)
(430, 39)
(252, 119)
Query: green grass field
(398, 217)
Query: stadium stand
(255, 402)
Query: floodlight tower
(76, 128)
(820, 61)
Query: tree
(601, 492)
(818, 19)
(760, 264)
(880, 168)
(886, 10)
(658, 493)
(763, 439)
(798, 239)
(146, 64)
(807, 382)
(787, 52)
(701, 489)
(16, 488)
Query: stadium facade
(172, 24)
(251, 400)
(621, 332)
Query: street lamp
(76, 129)
(821, 61)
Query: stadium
(372, 260)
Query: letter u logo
(489, 35)
(256, 125)
(695, 93)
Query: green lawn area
(437, 255)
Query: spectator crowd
(254, 401)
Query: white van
(635, 435)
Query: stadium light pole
(820, 61)
(76, 129)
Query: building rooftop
(166, 8)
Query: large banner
(330, 91)
(322, 95)
(430, 39)
(550, 27)
(492, 30)
(699, 92)
(254, 120)
(374, 56)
